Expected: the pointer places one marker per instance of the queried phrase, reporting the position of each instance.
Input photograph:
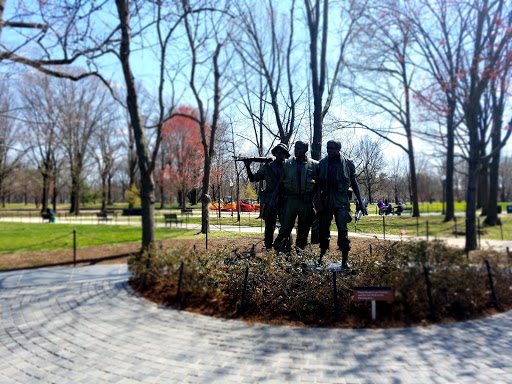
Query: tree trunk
(472, 188)
(147, 200)
(145, 167)
(483, 186)
(162, 196)
(103, 193)
(54, 195)
(414, 183)
(450, 165)
(2, 7)
(205, 197)
(75, 195)
(494, 168)
(109, 190)
(46, 192)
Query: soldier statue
(299, 184)
(336, 174)
(271, 174)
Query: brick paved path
(85, 325)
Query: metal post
(370, 249)
(443, 182)
(493, 292)
(478, 231)
(335, 296)
(374, 310)
(179, 280)
(220, 218)
(429, 291)
(74, 247)
(242, 306)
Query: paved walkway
(85, 325)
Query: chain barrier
(37, 244)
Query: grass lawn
(436, 227)
(20, 237)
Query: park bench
(382, 211)
(172, 218)
(104, 216)
(394, 211)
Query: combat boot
(324, 246)
(344, 260)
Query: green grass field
(20, 237)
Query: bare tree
(264, 41)
(388, 72)
(10, 153)
(505, 178)
(491, 34)
(498, 93)
(40, 118)
(105, 151)
(82, 109)
(318, 27)
(440, 28)
(68, 37)
(370, 160)
(198, 29)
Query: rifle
(255, 159)
(360, 212)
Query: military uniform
(335, 177)
(299, 183)
(270, 173)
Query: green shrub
(284, 287)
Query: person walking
(271, 174)
(299, 183)
(336, 176)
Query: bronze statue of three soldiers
(302, 189)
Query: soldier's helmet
(283, 147)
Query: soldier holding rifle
(271, 174)
(336, 175)
(299, 184)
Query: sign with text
(373, 294)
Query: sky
(145, 68)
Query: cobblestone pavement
(85, 325)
